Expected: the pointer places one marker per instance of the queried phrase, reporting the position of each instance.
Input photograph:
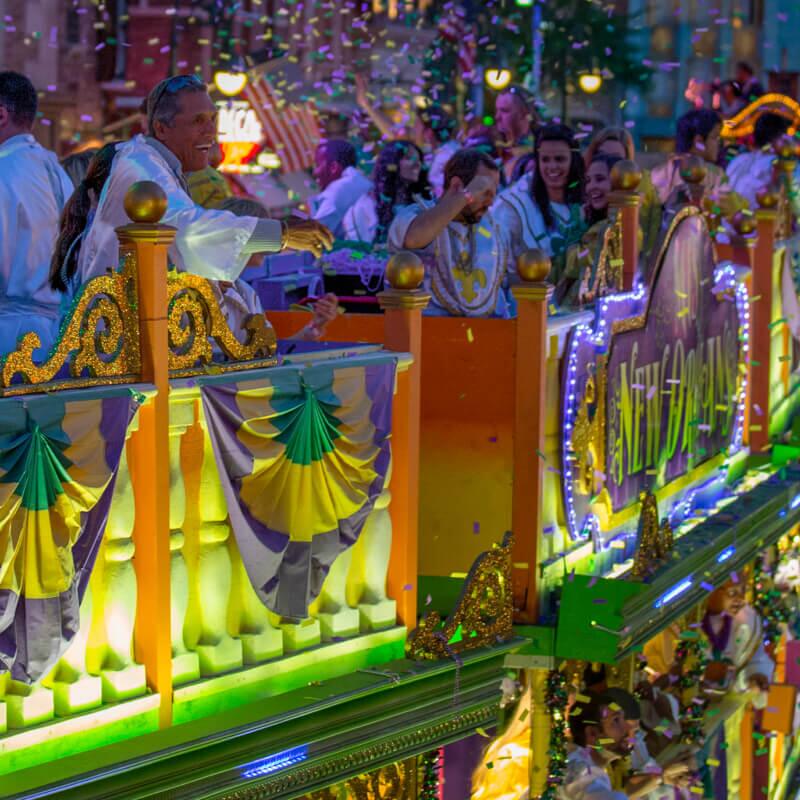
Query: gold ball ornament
(626, 176)
(784, 147)
(405, 271)
(767, 197)
(533, 265)
(693, 169)
(145, 202)
(743, 224)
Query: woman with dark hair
(580, 282)
(543, 208)
(398, 178)
(76, 218)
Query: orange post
(761, 317)
(149, 446)
(532, 295)
(624, 200)
(402, 305)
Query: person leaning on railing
(618, 142)
(577, 284)
(181, 119)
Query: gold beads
(405, 271)
(533, 265)
(626, 176)
(145, 202)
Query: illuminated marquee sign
(241, 135)
(655, 387)
(238, 123)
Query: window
(73, 26)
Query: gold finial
(533, 265)
(743, 223)
(405, 271)
(693, 169)
(626, 176)
(145, 202)
(784, 147)
(767, 197)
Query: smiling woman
(543, 210)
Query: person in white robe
(398, 178)
(756, 169)
(739, 663)
(210, 243)
(33, 191)
(464, 251)
(340, 181)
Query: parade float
(642, 453)
(210, 554)
(241, 566)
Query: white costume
(518, 215)
(438, 162)
(208, 242)
(33, 191)
(744, 651)
(749, 172)
(333, 202)
(584, 780)
(464, 265)
(361, 220)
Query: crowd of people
(468, 202)
(622, 745)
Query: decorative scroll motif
(194, 318)
(99, 340)
(482, 616)
(588, 441)
(654, 541)
(608, 275)
(387, 783)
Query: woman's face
(611, 147)
(410, 166)
(598, 185)
(554, 162)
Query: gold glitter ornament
(483, 613)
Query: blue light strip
(675, 591)
(795, 502)
(274, 763)
(726, 554)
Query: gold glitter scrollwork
(588, 441)
(99, 340)
(194, 319)
(608, 274)
(483, 613)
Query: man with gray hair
(181, 121)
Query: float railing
(170, 627)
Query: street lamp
(498, 79)
(230, 83)
(590, 82)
